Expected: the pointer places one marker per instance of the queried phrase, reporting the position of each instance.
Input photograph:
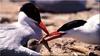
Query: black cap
(71, 25)
(31, 11)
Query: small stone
(58, 45)
(97, 48)
(92, 54)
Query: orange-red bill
(53, 35)
(43, 27)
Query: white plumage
(13, 35)
(86, 31)
(89, 32)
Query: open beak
(53, 35)
(43, 27)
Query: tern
(13, 35)
(87, 31)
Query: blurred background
(54, 13)
(60, 11)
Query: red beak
(43, 27)
(53, 35)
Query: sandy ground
(62, 46)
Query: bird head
(66, 27)
(33, 13)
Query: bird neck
(21, 17)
